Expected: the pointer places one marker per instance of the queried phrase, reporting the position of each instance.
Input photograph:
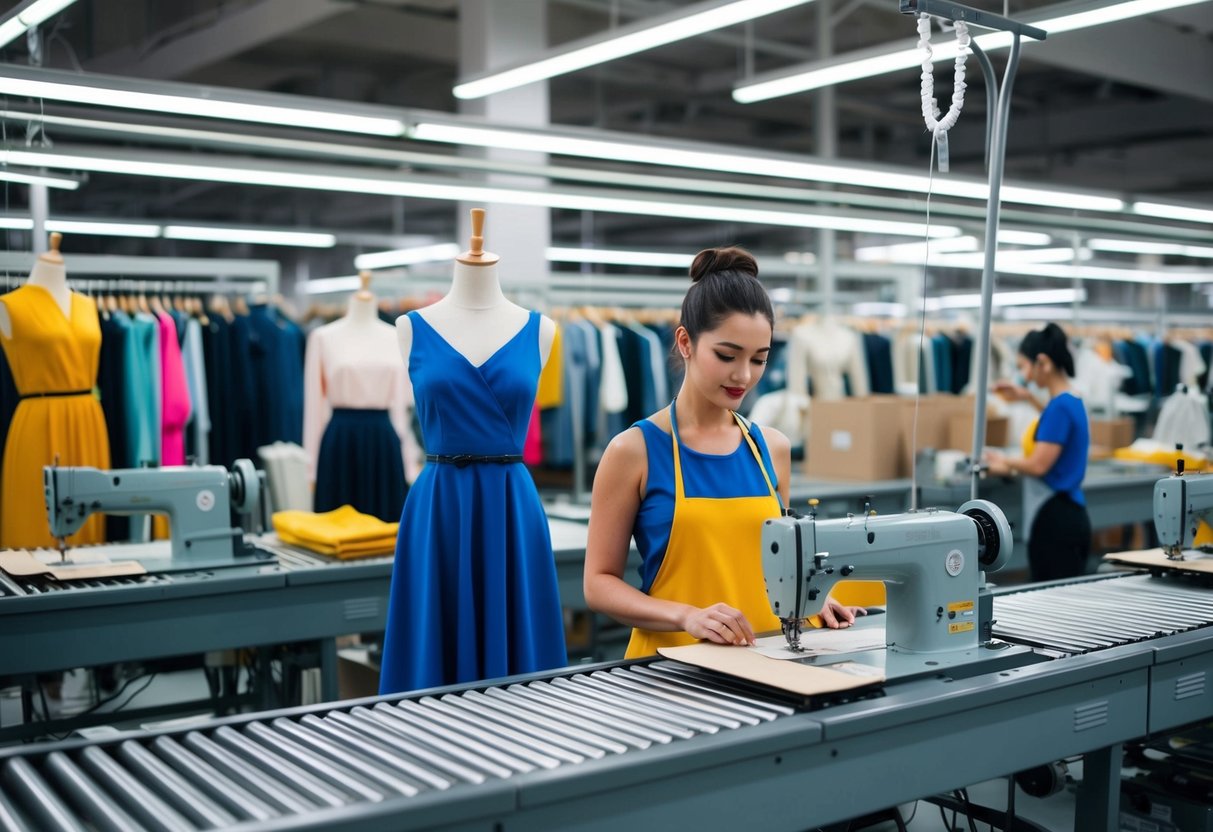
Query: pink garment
(174, 394)
(532, 448)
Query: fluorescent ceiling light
(16, 224)
(324, 285)
(1007, 257)
(626, 40)
(1023, 238)
(882, 60)
(103, 229)
(27, 16)
(63, 182)
(1144, 247)
(620, 258)
(245, 172)
(779, 167)
(914, 252)
(1029, 298)
(407, 256)
(259, 236)
(1173, 212)
(205, 104)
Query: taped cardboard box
(855, 439)
(935, 414)
(1112, 433)
(960, 431)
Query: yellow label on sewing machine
(961, 627)
(961, 606)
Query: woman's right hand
(1011, 392)
(719, 623)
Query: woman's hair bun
(716, 260)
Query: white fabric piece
(1191, 365)
(1183, 420)
(930, 109)
(786, 412)
(286, 467)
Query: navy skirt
(361, 465)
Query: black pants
(1060, 540)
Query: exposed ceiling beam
(375, 32)
(231, 34)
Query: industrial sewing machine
(932, 563)
(203, 504)
(1180, 504)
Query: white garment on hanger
(286, 468)
(1098, 380)
(199, 424)
(1183, 420)
(1191, 365)
(613, 392)
(785, 411)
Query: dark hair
(1050, 341)
(723, 281)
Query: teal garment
(142, 389)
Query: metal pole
(997, 159)
(39, 209)
(987, 73)
(826, 135)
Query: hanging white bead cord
(930, 110)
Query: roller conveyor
(1081, 616)
(280, 768)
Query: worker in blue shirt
(1060, 537)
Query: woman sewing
(1055, 458)
(694, 482)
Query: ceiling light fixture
(246, 172)
(1144, 247)
(112, 91)
(623, 41)
(607, 257)
(65, 183)
(257, 236)
(103, 229)
(28, 15)
(774, 166)
(1028, 298)
(881, 60)
(1187, 213)
(407, 256)
(324, 285)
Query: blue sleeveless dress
(474, 592)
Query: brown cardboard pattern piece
(793, 677)
(960, 431)
(1112, 433)
(1156, 559)
(22, 564)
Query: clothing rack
(243, 275)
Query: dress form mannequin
(475, 317)
(349, 365)
(50, 274)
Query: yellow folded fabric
(551, 379)
(1192, 462)
(337, 528)
(344, 551)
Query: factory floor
(1055, 813)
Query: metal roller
(671, 694)
(102, 811)
(677, 724)
(137, 798)
(364, 722)
(612, 738)
(275, 792)
(700, 693)
(356, 744)
(598, 713)
(310, 732)
(419, 718)
(382, 716)
(514, 714)
(222, 788)
(45, 808)
(172, 787)
(318, 764)
(522, 736)
(281, 767)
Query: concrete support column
(494, 34)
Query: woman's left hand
(836, 616)
(996, 464)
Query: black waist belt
(57, 394)
(464, 460)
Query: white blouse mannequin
(475, 318)
(350, 363)
(49, 273)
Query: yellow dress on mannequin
(59, 420)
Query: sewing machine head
(1180, 503)
(203, 504)
(930, 561)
